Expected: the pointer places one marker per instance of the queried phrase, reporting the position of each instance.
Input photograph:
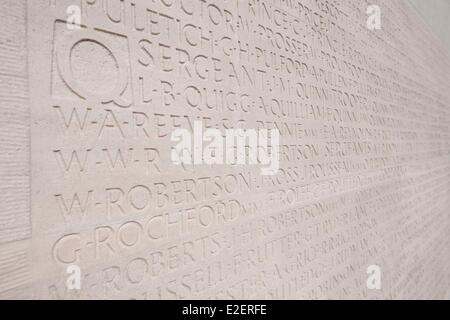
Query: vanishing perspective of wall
(436, 14)
(91, 92)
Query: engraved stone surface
(358, 208)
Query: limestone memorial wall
(351, 200)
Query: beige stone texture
(88, 183)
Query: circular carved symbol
(89, 67)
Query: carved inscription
(364, 176)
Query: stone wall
(358, 207)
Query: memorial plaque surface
(362, 169)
